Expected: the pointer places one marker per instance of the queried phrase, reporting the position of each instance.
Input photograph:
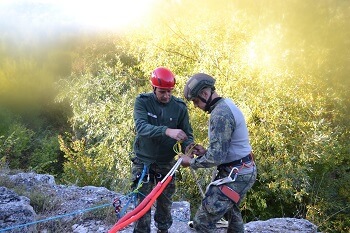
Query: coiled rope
(147, 202)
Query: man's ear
(204, 93)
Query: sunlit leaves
(281, 67)
(102, 102)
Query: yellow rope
(178, 150)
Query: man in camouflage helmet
(229, 150)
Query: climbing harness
(221, 183)
(117, 203)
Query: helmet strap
(207, 102)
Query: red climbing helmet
(162, 77)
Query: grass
(45, 206)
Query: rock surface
(281, 225)
(70, 202)
(15, 209)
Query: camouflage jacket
(228, 136)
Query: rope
(177, 148)
(191, 169)
(132, 195)
(128, 218)
(148, 201)
(197, 182)
(53, 218)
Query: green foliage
(14, 145)
(28, 70)
(81, 169)
(102, 101)
(284, 63)
(46, 157)
(23, 148)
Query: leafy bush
(102, 123)
(296, 112)
(47, 157)
(288, 73)
(15, 144)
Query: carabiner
(148, 178)
(236, 173)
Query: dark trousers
(162, 215)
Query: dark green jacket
(152, 118)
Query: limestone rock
(15, 210)
(73, 201)
(288, 225)
(32, 179)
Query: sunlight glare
(251, 54)
(258, 54)
(105, 14)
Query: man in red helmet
(160, 121)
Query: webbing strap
(230, 193)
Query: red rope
(142, 208)
(141, 205)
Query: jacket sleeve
(142, 125)
(221, 129)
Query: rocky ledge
(67, 206)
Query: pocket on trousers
(215, 202)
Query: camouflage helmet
(197, 83)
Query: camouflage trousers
(162, 216)
(215, 205)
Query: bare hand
(177, 134)
(190, 150)
(198, 150)
(185, 160)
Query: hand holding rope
(177, 149)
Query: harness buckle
(148, 178)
